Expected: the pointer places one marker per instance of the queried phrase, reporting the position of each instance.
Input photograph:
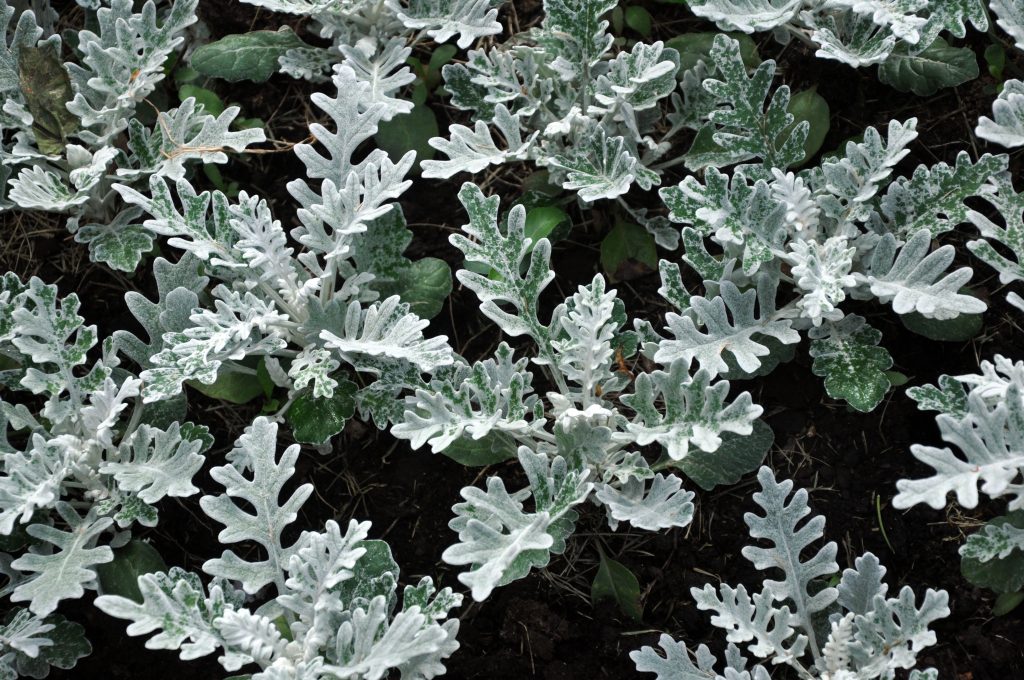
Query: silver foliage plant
(70, 130)
(853, 631)
(861, 32)
(790, 247)
(79, 472)
(558, 97)
(329, 605)
(261, 306)
(375, 38)
(580, 441)
(981, 420)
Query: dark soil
(545, 626)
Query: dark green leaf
(245, 56)
(1004, 575)
(263, 375)
(47, 89)
(995, 57)
(853, 366)
(810, 106)
(315, 421)
(542, 220)
(495, 447)
(440, 57)
(639, 19)
(617, 583)
(121, 576)
(212, 103)
(423, 285)
(958, 329)
(924, 74)
(694, 47)
(374, 574)
(231, 386)
(69, 643)
(628, 251)
(1006, 603)
(737, 455)
(409, 132)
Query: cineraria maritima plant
(292, 316)
(582, 439)
(334, 609)
(850, 631)
(903, 37)
(329, 317)
(81, 468)
(71, 130)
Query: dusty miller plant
(904, 37)
(559, 97)
(981, 419)
(849, 632)
(70, 131)
(83, 463)
(295, 312)
(329, 603)
(375, 38)
(791, 247)
(582, 439)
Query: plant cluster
(328, 320)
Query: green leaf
(211, 102)
(925, 73)
(315, 421)
(628, 251)
(441, 57)
(736, 456)
(897, 379)
(694, 47)
(542, 221)
(809, 106)
(1002, 575)
(491, 449)
(424, 285)
(121, 577)
(263, 375)
(69, 643)
(410, 132)
(995, 58)
(615, 582)
(847, 355)
(245, 56)
(1006, 603)
(235, 387)
(639, 19)
(47, 89)
(958, 329)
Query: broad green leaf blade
(847, 355)
(46, 86)
(628, 251)
(121, 576)
(315, 420)
(424, 285)
(736, 456)
(409, 132)
(245, 56)
(615, 582)
(925, 73)
(993, 557)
